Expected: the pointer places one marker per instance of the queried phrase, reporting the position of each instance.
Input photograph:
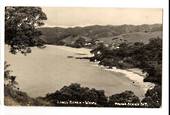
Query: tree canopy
(21, 28)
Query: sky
(79, 16)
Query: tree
(75, 92)
(9, 79)
(153, 97)
(152, 61)
(124, 97)
(80, 42)
(21, 28)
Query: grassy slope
(134, 37)
(104, 33)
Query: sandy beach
(47, 70)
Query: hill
(107, 34)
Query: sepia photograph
(83, 57)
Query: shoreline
(136, 78)
(131, 74)
(59, 54)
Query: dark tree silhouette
(153, 97)
(21, 28)
(9, 79)
(124, 97)
(75, 92)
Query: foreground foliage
(153, 97)
(21, 28)
(75, 95)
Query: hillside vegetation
(107, 34)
